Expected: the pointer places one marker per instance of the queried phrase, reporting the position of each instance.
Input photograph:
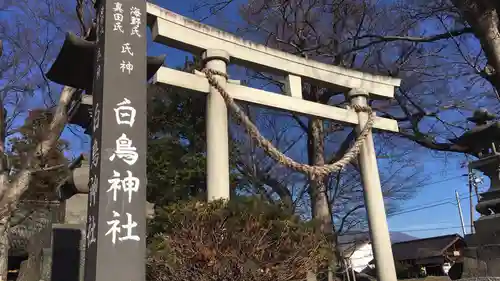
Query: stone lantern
(483, 141)
(483, 253)
(80, 112)
(74, 67)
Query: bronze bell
(80, 112)
(74, 66)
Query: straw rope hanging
(313, 171)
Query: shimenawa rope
(273, 152)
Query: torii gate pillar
(374, 199)
(217, 130)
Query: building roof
(424, 248)
(351, 241)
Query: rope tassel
(312, 171)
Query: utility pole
(460, 212)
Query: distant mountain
(361, 237)
(397, 237)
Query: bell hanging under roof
(80, 112)
(74, 66)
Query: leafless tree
(445, 51)
(29, 35)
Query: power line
(446, 199)
(435, 203)
(423, 229)
(440, 200)
(430, 229)
(440, 181)
(415, 209)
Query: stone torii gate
(220, 48)
(116, 88)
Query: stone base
(68, 252)
(482, 255)
(488, 229)
(482, 261)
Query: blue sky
(431, 212)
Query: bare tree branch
(427, 39)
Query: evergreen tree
(176, 160)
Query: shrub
(245, 239)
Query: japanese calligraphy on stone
(125, 150)
(135, 21)
(128, 184)
(125, 114)
(100, 22)
(95, 153)
(126, 67)
(96, 118)
(94, 181)
(127, 49)
(122, 185)
(118, 17)
(115, 228)
(90, 235)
